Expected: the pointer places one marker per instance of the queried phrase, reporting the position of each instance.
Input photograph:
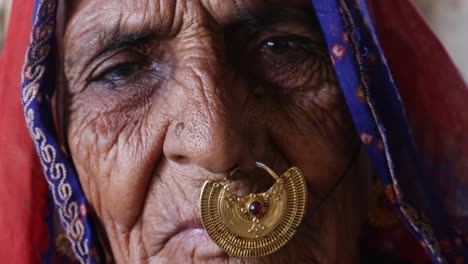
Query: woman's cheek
(318, 135)
(96, 139)
(115, 152)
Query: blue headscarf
(414, 179)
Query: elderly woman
(231, 132)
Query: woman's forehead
(222, 11)
(93, 22)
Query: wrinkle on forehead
(163, 12)
(92, 22)
(107, 14)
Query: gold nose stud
(257, 224)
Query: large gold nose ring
(257, 224)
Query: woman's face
(164, 95)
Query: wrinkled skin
(164, 95)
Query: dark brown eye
(290, 63)
(286, 49)
(282, 45)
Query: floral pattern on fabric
(36, 98)
(378, 113)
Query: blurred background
(448, 19)
(5, 6)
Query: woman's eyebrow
(259, 18)
(270, 15)
(254, 19)
(114, 40)
(118, 40)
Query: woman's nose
(211, 130)
(210, 137)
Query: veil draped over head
(406, 98)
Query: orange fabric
(23, 233)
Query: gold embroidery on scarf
(33, 71)
(381, 214)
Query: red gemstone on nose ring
(255, 208)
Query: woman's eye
(127, 70)
(120, 72)
(286, 49)
(289, 62)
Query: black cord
(333, 188)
